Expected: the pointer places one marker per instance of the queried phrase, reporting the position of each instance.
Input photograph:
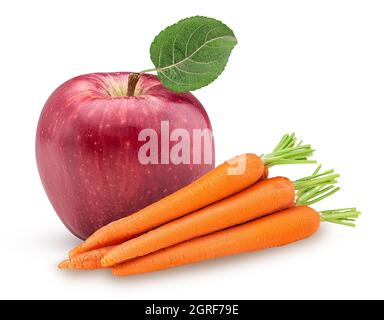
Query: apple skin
(87, 147)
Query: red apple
(87, 147)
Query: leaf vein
(190, 37)
(190, 72)
(213, 29)
(197, 50)
(172, 80)
(209, 62)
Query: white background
(313, 67)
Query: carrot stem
(316, 187)
(316, 174)
(323, 196)
(288, 151)
(285, 142)
(345, 216)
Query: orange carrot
(86, 261)
(260, 199)
(226, 179)
(277, 229)
(274, 230)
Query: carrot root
(278, 229)
(89, 260)
(64, 264)
(260, 199)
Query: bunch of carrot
(234, 208)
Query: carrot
(228, 178)
(86, 261)
(260, 199)
(277, 229)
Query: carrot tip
(64, 264)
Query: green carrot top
(321, 185)
(289, 151)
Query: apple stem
(133, 78)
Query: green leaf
(192, 53)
